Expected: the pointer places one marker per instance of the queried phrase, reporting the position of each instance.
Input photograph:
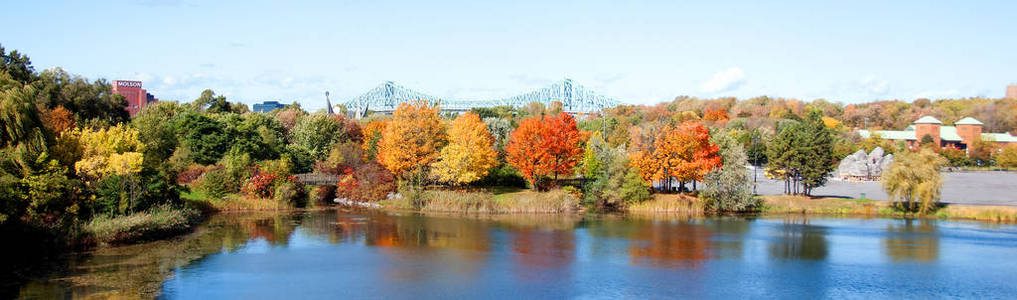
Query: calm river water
(339, 254)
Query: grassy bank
(862, 207)
(670, 203)
(231, 202)
(486, 201)
(156, 223)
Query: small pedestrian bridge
(317, 178)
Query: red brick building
(137, 97)
(963, 134)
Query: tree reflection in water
(137, 271)
(911, 240)
(676, 244)
(797, 239)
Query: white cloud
(938, 94)
(874, 86)
(725, 81)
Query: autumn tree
(913, 178)
(1007, 157)
(372, 136)
(57, 120)
(111, 152)
(412, 139)
(548, 146)
(469, 154)
(683, 154)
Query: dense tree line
(70, 151)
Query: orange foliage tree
(58, 119)
(719, 116)
(412, 139)
(372, 136)
(544, 147)
(682, 154)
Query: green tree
(913, 178)
(206, 138)
(802, 154)
(613, 181)
(928, 140)
(728, 188)
(154, 123)
(319, 132)
(17, 65)
(91, 102)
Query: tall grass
(158, 222)
(231, 202)
(1001, 214)
(670, 203)
(484, 202)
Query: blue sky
(636, 51)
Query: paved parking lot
(978, 188)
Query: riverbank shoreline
(685, 204)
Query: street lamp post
(755, 163)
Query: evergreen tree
(802, 154)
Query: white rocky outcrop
(861, 166)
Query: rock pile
(861, 166)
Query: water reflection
(672, 244)
(796, 239)
(911, 240)
(399, 254)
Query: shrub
(237, 168)
(503, 175)
(291, 192)
(260, 184)
(369, 182)
(213, 183)
(191, 173)
(160, 221)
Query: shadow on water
(139, 270)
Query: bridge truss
(575, 98)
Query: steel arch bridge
(574, 98)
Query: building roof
(968, 121)
(1000, 137)
(927, 120)
(949, 134)
(889, 134)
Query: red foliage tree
(544, 147)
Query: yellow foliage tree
(109, 151)
(831, 122)
(469, 155)
(99, 146)
(411, 140)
